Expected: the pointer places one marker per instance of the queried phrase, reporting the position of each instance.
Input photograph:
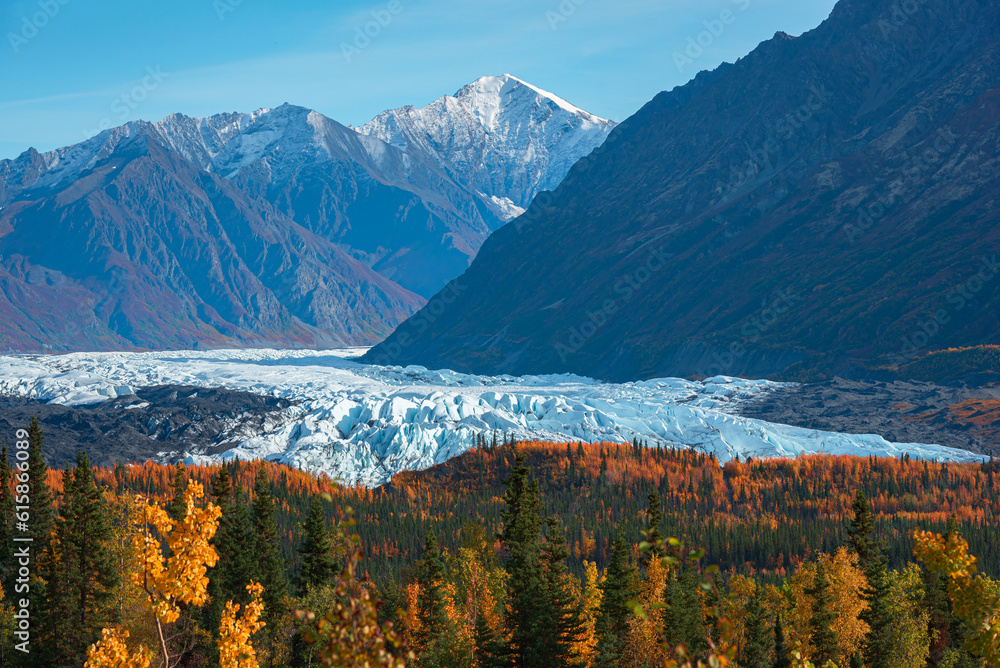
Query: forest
(513, 554)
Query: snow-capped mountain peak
(505, 137)
(488, 96)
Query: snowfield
(362, 424)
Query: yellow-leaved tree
(847, 586)
(235, 650)
(646, 633)
(170, 582)
(586, 647)
(112, 651)
(975, 598)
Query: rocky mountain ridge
(825, 205)
(279, 226)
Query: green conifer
(821, 624)
(758, 638)
(617, 590)
(317, 566)
(268, 567)
(525, 614)
(82, 575)
(873, 562)
(781, 658)
(563, 614)
(177, 505)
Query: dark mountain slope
(827, 201)
(146, 250)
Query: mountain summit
(826, 203)
(280, 226)
(506, 138)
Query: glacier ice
(362, 424)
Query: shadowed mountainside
(826, 203)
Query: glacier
(361, 424)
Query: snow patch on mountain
(362, 424)
(506, 138)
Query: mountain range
(825, 205)
(278, 227)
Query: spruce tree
(316, 563)
(430, 603)
(55, 610)
(758, 638)
(781, 658)
(684, 617)
(177, 505)
(873, 561)
(436, 637)
(947, 630)
(617, 589)
(40, 496)
(654, 514)
(233, 571)
(80, 571)
(490, 649)
(524, 617)
(86, 544)
(268, 569)
(821, 624)
(563, 614)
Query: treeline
(758, 518)
(526, 554)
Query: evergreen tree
(617, 589)
(177, 507)
(947, 631)
(430, 603)
(41, 497)
(821, 625)
(873, 561)
(524, 617)
(756, 650)
(781, 658)
(654, 515)
(437, 637)
(82, 575)
(857, 661)
(268, 567)
(55, 607)
(317, 566)
(228, 579)
(563, 614)
(490, 649)
(684, 618)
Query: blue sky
(67, 66)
